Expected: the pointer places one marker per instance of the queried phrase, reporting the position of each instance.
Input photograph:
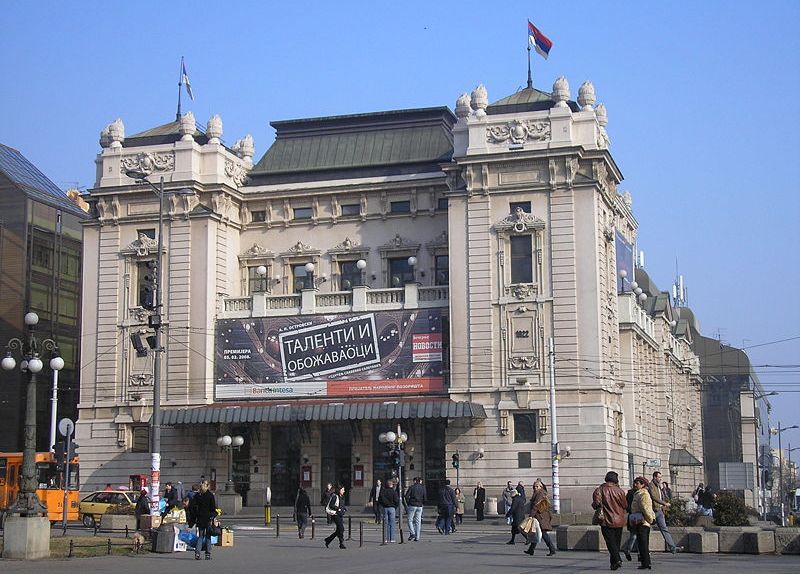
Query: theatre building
(402, 269)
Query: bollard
(126, 531)
(349, 527)
(277, 525)
(267, 515)
(400, 528)
(383, 534)
(109, 547)
(360, 533)
(96, 527)
(71, 547)
(313, 527)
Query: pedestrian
(480, 500)
(609, 499)
(707, 502)
(325, 497)
(142, 507)
(108, 487)
(516, 512)
(179, 493)
(640, 519)
(698, 492)
(659, 506)
(302, 511)
(460, 500)
(508, 494)
(204, 510)
(447, 504)
(335, 509)
(540, 510)
(630, 543)
(374, 493)
(389, 501)
(666, 491)
(521, 490)
(188, 509)
(415, 501)
(171, 499)
(193, 491)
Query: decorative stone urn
(214, 129)
(561, 92)
(480, 101)
(188, 126)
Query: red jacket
(614, 502)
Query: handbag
(636, 518)
(526, 526)
(599, 516)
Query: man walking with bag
(659, 506)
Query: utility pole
(554, 450)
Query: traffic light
(147, 286)
(73, 449)
(395, 458)
(456, 460)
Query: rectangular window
(257, 283)
(302, 213)
(525, 427)
(442, 271)
(258, 216)
(300, 278)
(146, 277)
(524, 205)
(140, 439)
(400, 207)
(349, 209)
(441, 204)
(400, 272)
(523, 460)
(349, 275)
(149, 232)
(521, 259)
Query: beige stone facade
(525, 208)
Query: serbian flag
(185, 78)
(539, 41)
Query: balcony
(631, 313)
(312, 301)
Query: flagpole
(180, 85)
(530, 81)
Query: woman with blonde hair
(540, 510)
(640, 519)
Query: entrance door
(285, 471)
(337, 446)
(435, 469)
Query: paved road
(258, 550)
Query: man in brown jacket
(611, 499)
(659, 506)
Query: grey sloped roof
(682, 457)
(33, 182)
(352, 410)
(418, 136)
(526, 100)
(165, 133)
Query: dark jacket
(302, 504)
(480, 496)
(373, 496)
(204, 508)
(521, 490)
(415, 495)
(517, 511)
(142, 505)
(540, 510)
(388, 498)
(614, 502)
(171, 497)
(447, 497)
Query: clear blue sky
(700, 97)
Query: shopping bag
(526, 526)
(536, 534)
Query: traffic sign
(653, 462)
(66, 427)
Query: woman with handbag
(516, 513)
(480, 500)
(640, 519)
(335, 510)
(540, 511)
(204, 511)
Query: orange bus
(50, 484)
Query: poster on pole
(379, 353)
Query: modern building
(40, 255)
(400, 271)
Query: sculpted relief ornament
(519, 222)
(148, 162)
(519, 131)
(143, 246)
(235, 171)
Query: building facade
(40, 252)
(400, 271)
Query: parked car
(97, 503)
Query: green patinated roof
(526, 100)
(166, 133)
(359, 141)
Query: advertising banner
(381, 353)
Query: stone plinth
(117, 522)
(579, 537)
(732, 538)
(26, 538)
(229, 502)
(787, 540)
(702, 542)
(761, 542)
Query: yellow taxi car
(97, 503)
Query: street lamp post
(779, 431)
(155, 322)
(28, 505)
(230, 443)
(761, 478)
(792, 475)
(395, 441)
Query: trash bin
(491, 506)
(164, 539)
